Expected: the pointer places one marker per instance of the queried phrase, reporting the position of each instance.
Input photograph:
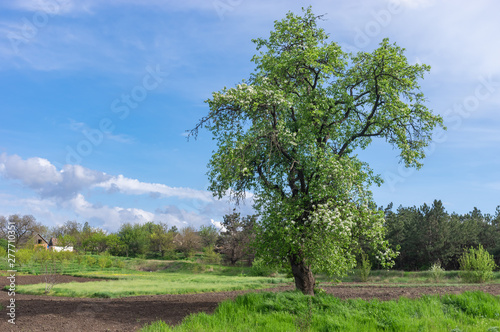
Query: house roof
(41, 237)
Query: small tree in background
(209, 235)
(134, 238)
(476, 265)
(188, 241)
(52, 264)
(25, 227)
(161, 241)
(364, 267)
(235, 241)
(437, 271)
(24, 256)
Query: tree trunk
(304, 278)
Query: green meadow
(153, 284)
(171, 278)
(292, 311)
(154, 277)
(286, 311)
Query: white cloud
(43, 177)
(218, 224)
(110, 217)
(61, 197)
(456, 38)
(174, 216)
(135, 187)
(34, 172)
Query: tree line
(428, 234)
(422, 235)
(150, 240)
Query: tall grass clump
(293, 311)
(437, 272)
(476, 265)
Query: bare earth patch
(45, 313)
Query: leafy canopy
(290, 131)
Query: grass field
(182, 277)
(410, 278)
(179, 279)
(292, 311)
(287, 311)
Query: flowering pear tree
(289, 134)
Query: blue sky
(97, 96)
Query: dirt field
(45, 313)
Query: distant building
(53, 246)
(39, 241)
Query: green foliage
(437, 271)
(195, 280)
(209, 235)
(118, 263)
(319, 291)
(260, 268)
(161, 241)
(134, 239)
(90, 260)
(470, 311)
(198, 268)
(235, 242)
(289, 133)
(3, 252)
(104, 262)
(24, 256)
(80, 259)
(24, 228)
(427, 234)
(476, 265)
(364, 267)
(4, 243)
(210, 256)
(188, 241)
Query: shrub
(476, 265)
(198, 268)
(65, 255)
(104, 262)
(80, 259)
(364, 267)
(436, 271)
(119, 263)
(260, 269)
(24, 256)
(210, 256)
(90, 260)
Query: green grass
(79, 265)
(144, 283)
(72, 266)
(390, 277)
(182, 277)
(292, 311)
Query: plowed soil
(46, 313)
